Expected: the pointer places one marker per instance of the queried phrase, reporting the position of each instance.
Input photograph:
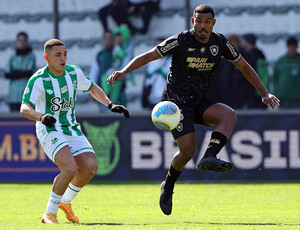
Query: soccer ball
(165, 115)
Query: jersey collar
(52, 75)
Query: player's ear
(215, 21)
(46, 57)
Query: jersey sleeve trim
(158, 52)
(237, 59)
(89, 87)
(28, 102)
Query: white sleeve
(84, 83)
(33, 91)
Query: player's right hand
(48, 120)
(116, 75)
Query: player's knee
(231, 117)
(93, 168)
(94, 171)
(234, 117)
(69, 172)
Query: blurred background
(271, 27)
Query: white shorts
(52, 142)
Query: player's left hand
(118, 109)
(271, 100)
(116, 75)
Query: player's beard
(203, 35)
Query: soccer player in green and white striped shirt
(49, 99)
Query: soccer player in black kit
(196, 54)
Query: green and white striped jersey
(56, 95)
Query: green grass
(135, 206)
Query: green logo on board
(106, 145)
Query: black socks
(217, 142)
(171, 178)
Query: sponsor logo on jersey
(202, 50)
(232, 49)
(49, 91)
(64, 89)
(199, 63)
(61, 104)
(214, 50)
(169, 46)
(26, 90)
(72, 72)
(191, 49)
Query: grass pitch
(135, 206)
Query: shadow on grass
(110, 224)
(199, 223)
(254, 224)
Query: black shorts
(191, 114)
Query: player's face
(56, 59)
(203, 26)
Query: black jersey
(193, 65)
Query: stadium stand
(271, 21)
